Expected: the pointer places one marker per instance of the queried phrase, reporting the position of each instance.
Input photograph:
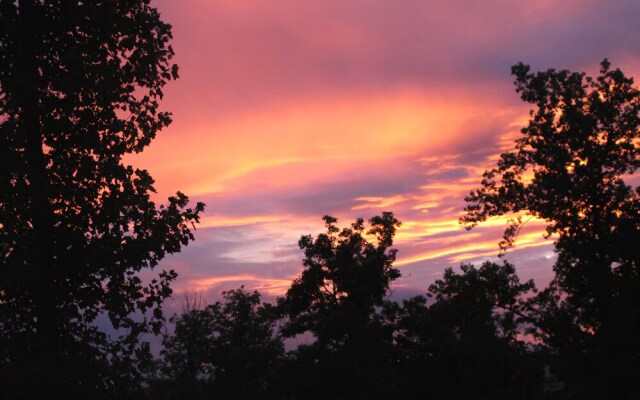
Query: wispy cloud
(289, 110)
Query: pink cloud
(287, 110)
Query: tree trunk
(38, 207)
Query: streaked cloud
(289, 110)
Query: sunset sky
(287, 110)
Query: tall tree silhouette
(568, 169)
(346, 274)
(80, 83)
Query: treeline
(462, 340)
(477, 333)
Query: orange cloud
(288, 110)
(210, 158)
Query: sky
(287, 110)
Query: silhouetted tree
(229, 349)
(185, 369)
(462, 340)
(476, 321)
(567, 169)
(246, 348)
(80, 83)
(344, 273)
(346, 276)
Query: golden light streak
(475, 250)
(418, 229)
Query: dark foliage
(228, 349)
(462, 340)
(80, 84)
(346, 275)
(583, 137)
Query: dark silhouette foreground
(80, 84)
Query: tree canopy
(229, 348)
(80, 85)
(345, 275)
(568, 168)
(466, 336)
(336, 298)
